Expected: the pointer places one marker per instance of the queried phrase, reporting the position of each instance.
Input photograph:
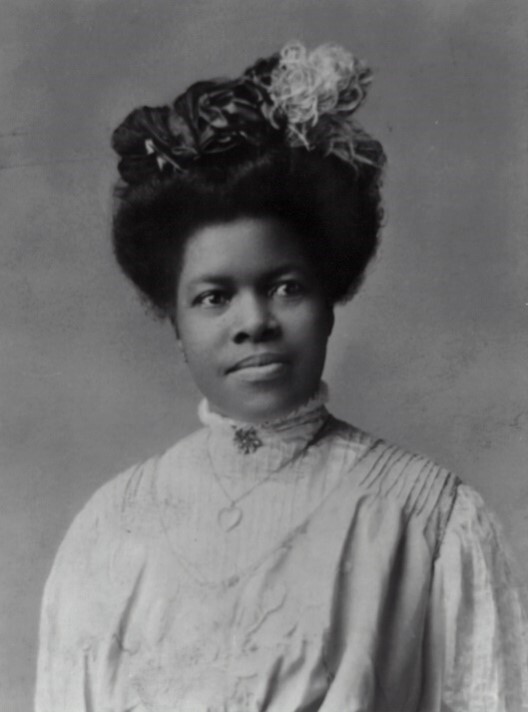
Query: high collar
(239, 448)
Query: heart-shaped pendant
(229, 517)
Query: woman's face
(252, 318)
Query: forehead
(247, 246)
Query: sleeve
(79, 604)
(480, 612)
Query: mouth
(260, 363)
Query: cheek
(199, 362)
(190, 331)
(197, 350)
(313, 327)
(199, 341)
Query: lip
(257, 361)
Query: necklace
(230, 516)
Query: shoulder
(126, 504)
(474, 526)
(110, 538)
(410, 482)
(390, 469)
(137, 485)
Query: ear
(179, 342)
(172, 318)
(331, 320)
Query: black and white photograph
(264, 356)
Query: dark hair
(332, 206)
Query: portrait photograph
(264, 356)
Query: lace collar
(235, 446)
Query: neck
(243, 447)
(210, 414)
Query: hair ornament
(295, 98)
(307, 87)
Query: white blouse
(298, 566)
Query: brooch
(247, 440)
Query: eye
(211, 298)
(288, 288)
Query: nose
(255, 320)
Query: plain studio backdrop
(432, 354)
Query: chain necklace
(230, 516)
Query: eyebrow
(224, 280)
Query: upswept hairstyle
(229, 149)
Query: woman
(277, 559)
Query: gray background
(432, 354)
